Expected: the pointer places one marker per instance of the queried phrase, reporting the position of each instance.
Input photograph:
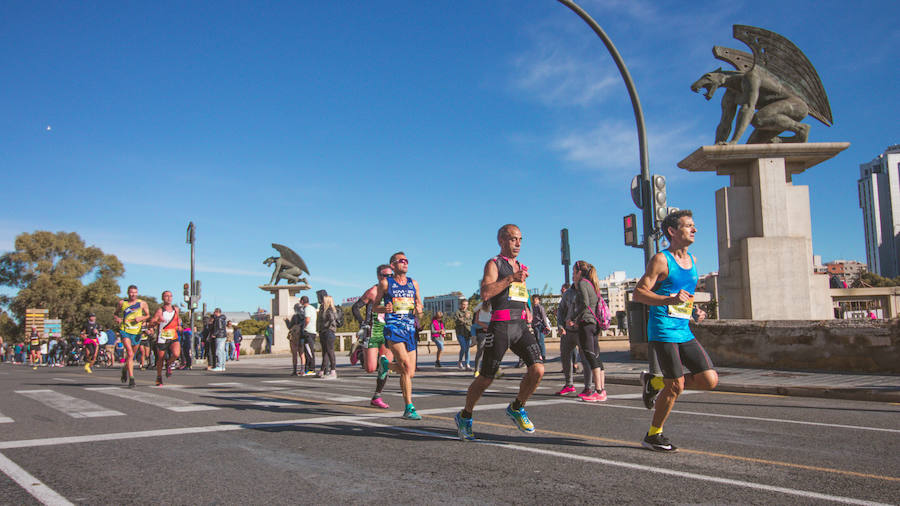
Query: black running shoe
(124, 374)
(159, 381)
(130, 382)
(648, 393)
(168, 371)
(658, 443)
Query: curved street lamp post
(647, 208)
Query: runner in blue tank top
(668, 288)
(401, 305)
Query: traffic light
(658, 185)
(187, 290)
(631, 236)
(196, 288)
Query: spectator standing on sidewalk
(238, 337)
(229, 341)
(295, 339)
(219, 333)
(326, 323)
(540, 324)
(186, 347)
(309, 334)
(437, 335)
(462, 321)
(269, 333)
(481, 321)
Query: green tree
(50, 271)
(870, 279)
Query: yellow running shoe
(87, 368)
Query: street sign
(52, 328)
(637, 196)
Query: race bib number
(167, 334)
(683, 310)
(403, 305)
(518, 292)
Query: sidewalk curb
(851, 394)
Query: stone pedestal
(764, 230)
(284, 297)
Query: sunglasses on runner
(385, 274)
(402, 261)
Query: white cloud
(613, 146)
(454, 263)
(333, 282)
(557, 77)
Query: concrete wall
(833, 345)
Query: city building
(846, 271)
(879, 199)
(447, 304)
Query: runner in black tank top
(504, 284)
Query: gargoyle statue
(289, 266)
(773, 89)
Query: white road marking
(72, 406)
(244, 386)
(54, 441)
(637, 467)
(67, 380)
(754, 418)
(163, 401)
(5, 419)
(282, 382)
(32, 485)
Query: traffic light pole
(191, 239)
(648, 218)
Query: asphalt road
(255, 435)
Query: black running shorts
(674, 357)
(514, 335)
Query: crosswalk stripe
(244, 386)
(72, 406)
(162, 401)
(5, 419)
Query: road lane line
(32, 485)
(244, 386)
(757, 419)
(72, 406)
(640, 467)
(163, 401)
(701, 452)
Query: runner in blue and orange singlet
(134, 313)
(401, 304)
(668, 288)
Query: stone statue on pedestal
(289, 266)
(773, 89)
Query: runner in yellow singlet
(134, 313)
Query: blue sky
(350, 130)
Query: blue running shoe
(520, 417)
(410, 413)
(383, 367)
(464, 428)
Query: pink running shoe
(585, 393)
(601, 395)
(568, 389)
(379, 403)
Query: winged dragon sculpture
(289, 266)
(773, 89)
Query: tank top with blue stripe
(403, 302)
(671, 324)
